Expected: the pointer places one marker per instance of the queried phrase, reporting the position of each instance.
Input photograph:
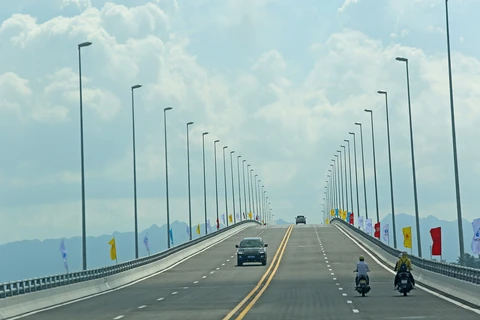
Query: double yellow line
(263, 283)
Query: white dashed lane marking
(159, 299)
(119, 317)
(141, 307)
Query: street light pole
(356, 173)
(84, 228)
(204, 181)
(239, 188)
(188, 177)
(341, 177)
(454, 143)
(414, 174)
(216, 180)
(233, 188)
(390, 167)
(225, 184)
(244, 187)
(135, 216)
(374, 163)
(346, 184)
(249, 199)
(350, 171)
(166, 173)
(363, 166)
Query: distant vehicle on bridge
(251, 249)
(301, 219)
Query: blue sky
(279, 82)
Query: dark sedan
(251, 250)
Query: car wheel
(264, 262)
(239, 263)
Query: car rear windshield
(300, 217)
(251, 243)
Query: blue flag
(171, 235)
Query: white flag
(476, 236)
(360, 222)
(385, 233)
(368, 228)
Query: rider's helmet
(404, 254)
(361, 258)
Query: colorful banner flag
(209, 226)
(386, 235)
(332, 212)
(237, 215)
(198, 228)
(223, 218)
(368, 226)
(436, 234)
(377, 230)
(145, 242)
(344, 215)
(476, 236)
(336, 213)
(230, 218)
(407, 237)
(327, 221)
(113, 249)
(360, 222)
(63, 251)
(250, 216)
(218, 224)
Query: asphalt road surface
(207, 286)
(315, 280)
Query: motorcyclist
(403, 265)
(362, 269)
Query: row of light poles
(258, 199)
(335, 196)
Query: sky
(281, 83)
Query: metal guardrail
(14, 288)
(448, 269)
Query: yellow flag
(230, 218)
(332, 212)
(328, 221)
(344, 214)
(198, 229)
(113, 249)
(407, 237)
(250, 215)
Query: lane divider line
(259, 294)
(231, 313)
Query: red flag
(352, 219)
(436, 234)
(218, 224)
(377, 230)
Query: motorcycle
(362, 287)
(404, 284)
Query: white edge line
(128, 284)
(418, 286)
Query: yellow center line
(250, 305)
(257, 286)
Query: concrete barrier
(35, 301)
(462, 291)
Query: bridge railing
(14, 288)
(448, 269)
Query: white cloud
(346, 4)
(287, 123)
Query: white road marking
(196, 281)
(128, 284)
(231, 257)
(119, 317)
(340, 288)
(212, 272)
(355, 311)
(334, 278)
(332, 273)
(218, 268)
(141, 307)
(228, 260)
(344, 294)
(329, 269)
(185, 288)
(174, 292)
(223, 264)
(328, 266)
(159, 299)
(326, 261)
(204, 277)
(417, 285)
(348, 301)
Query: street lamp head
(368, 110)
(189, 123)
(337, 154)
(401, 59)
(352, 133)
(225, 147)
(342, 146)
(244, 160)
(339, 151)
(232, 151)
(346, 140)
(216, 141)
(204, 134)
(136, 86)
(85, 44)
(167, 108)
(381, 92)
(358, 123)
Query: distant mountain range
(33, 258)
(282, 222)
